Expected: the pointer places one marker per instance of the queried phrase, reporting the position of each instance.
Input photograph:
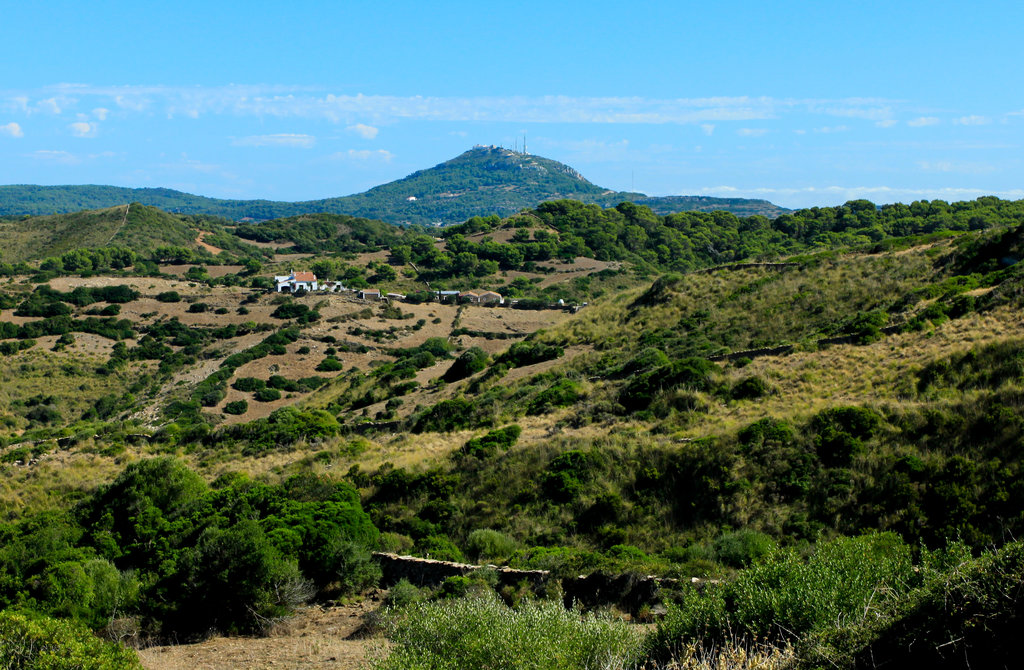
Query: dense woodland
(845, 489)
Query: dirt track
(316, 638)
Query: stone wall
(628, 592)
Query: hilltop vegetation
(481, 181)
(831, 398)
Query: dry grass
(317, 637)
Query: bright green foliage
(785, 596)
(41, 643)
(159, 545)
(741, 548)
(489, 544)
(479, 631)
(283, 428)
(966, 614)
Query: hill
(135, 227)
(481, 181)
(822, 411)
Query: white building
(296, 281)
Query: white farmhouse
(296, 281)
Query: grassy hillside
(848, 409)
(136, 227)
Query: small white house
(296, 281)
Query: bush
(487, 445)
(44, 643)
(741, 548)
(446, 416)
(749, 388)
(330, 364)
(198, 307)
(236, 407)
(169, 296)
(784, 597)
(249, 384)
(469, 362)
(480, 631)
(267, 395)
(841, 432)
(487, 544)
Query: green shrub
(841, 431)
(446, 416)
(560, 394)
(267, 395)
(249, 384)
(966, 614)
(471, 361)
(486, 445)
(236, 407)
(439, 547)
(50, 644)
(169, 296)
(741, 548)
(330, 364)
(480, 631)
(488, 544)
(784, 596)
(749, 388)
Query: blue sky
(801, 103)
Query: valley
(691, 395)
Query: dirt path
(316, 638)
(209, 247)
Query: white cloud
(62, 157)
(831, 129)
(707, 128)
(50, 105)
(808, 196)
(752, 132)
(12, 129)
(307, 102)
(922, 121)
(956, 166)
(366, 154)
(83, 129)
(364, 131)
(101, 113)
(973, 120)
(886, 123)
(279, 140)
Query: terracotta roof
(490, 293)
(305, 276)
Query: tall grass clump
(785, 596)
(479, 631)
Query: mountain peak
(484, 180)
